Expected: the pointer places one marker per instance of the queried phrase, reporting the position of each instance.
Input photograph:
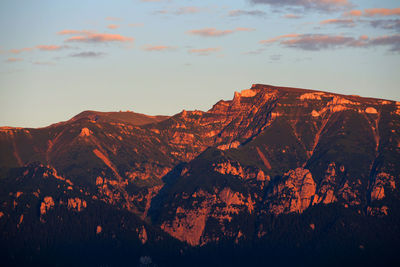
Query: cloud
(275, 57)
(113, 19)
(43, 63)
(339, 22)
(292, 16)
(205, 51)
(93, 37)
(113, 26)
(187, 10)
(393, 41)
(390, 24)
(14, 59)
(212, 32)
(49, 47)
(275, 39)
(315, 42)
(255, 52)
(88, 54)
(17, 51)
(321, 5)
(374, 12)
(157, 48)
(240, 12)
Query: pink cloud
(275, 39)
(14, 59)
(212, 32)
(342, 22)
(93, 37)
(241, 29)
(372, 12)
(157, 48)
(49, 47)
(17, 51)
(113, 26)
(292, 16)
(382, 12)
(205, 51)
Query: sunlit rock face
(207, 176)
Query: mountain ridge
(236, 174)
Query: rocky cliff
(228, 174)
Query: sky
(59, 58)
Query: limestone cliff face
(294, 193)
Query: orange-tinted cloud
(212, 32)
(341, 22)
(49, 47)
(242, 29)
(113, 26)
(157, 48)
(275, 39)
(14, 59)
(205, 51)
(292, 16)
(374, 12)
(93, 37)
(382, 12)
(17, 51)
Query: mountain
(277, 175)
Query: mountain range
(275, 176)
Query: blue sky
(58, 58)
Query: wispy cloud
(340, 22)
(321, 5)
(43, 63)
(205, 51)
(187, 10)
(292, 16)
(255, 52)
(93, 37)
(374, 12)
(113, 26)
(151, 48)
(275, 57)
(315, 42)
(14, 59)
(390, 24)
(20, 50)
(240, 12)
(49, 47)
(88, 54)
(212, 32)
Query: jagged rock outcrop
(294, 193)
